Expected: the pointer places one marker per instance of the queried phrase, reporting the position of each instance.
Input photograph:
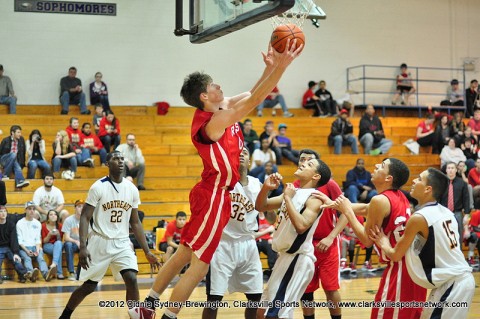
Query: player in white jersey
(111, 207)
(432, 249)
(236, 263)
(297, 221)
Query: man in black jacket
(471, 97)
(12, 155)
(341, 133)
(371, 134)
(9, 245)
(359, 186)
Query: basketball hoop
(302, 9)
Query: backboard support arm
(179, 30)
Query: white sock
(170, 314)
(154, 294)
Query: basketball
(284, 32)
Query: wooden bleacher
(172, 166)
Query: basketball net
(296, 15)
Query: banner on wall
(91, 8)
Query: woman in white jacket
(35, 146)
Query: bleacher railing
(376, 84)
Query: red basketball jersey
(396, 285)
(396, 221)
(220, 158)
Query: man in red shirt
(472, 234)
(91, 142)
(425, 131)
(389, 210)
(264, 239)
(218, 139)
(173, 234)
(84, 158)
(474, 123)
(311, 101)
(474, 180)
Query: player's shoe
(353, 268)
(367, 266)
(141, 313)
(344, 269)
(472, 262)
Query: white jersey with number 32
(113, 204)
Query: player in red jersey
(327, 249)
(389, 210)
(218, 139)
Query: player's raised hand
(153, 260)
(292, 51)
(378, 236)
(273, 181)
(289, 190)
(84, 258)
(268, 57)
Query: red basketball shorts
(327, 269)
(210, 214)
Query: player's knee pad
(254, 297)
(308, 296)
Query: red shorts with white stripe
(210, 214)
(396, 285)
(327, 268)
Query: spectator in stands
(349, 106)
(456, 197)
(405, 86)
(9, 245)
(358, 186)
(82, 154)
(474, 180)
(52, 243)
(264, 239)
(451, 153)
(425, 131)
(134, 161)
(71, 237)
(472, 99)
(327, 104)
(173, 234)
(250, 136)
(12, 156)
(271, 134)
(92, 143)
(462, 172)
(35, 146)
(474, 123)
(271, 101)
(109, 131)
(71, 92)
(285, 144)
(99, 92)
(341, 133)
(443, 134)
(30, 241)
(63, 154)
(48, 197)
(467, 135)
(470, 152)
(454, 95)
(259, 158)
(458, 127)
(7, 94)
(372, 135)
(311, 101)
(97, 117)
(472, 234)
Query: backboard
(211, 19)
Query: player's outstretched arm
(263, 203)
(416, 224)
(84, 255)
(137, 230)
(277, 63)
(301, 222)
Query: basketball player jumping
(389, 209)
(297, 221)
(236, 264)
(111, 207)
(432, 248)
(219, 140)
